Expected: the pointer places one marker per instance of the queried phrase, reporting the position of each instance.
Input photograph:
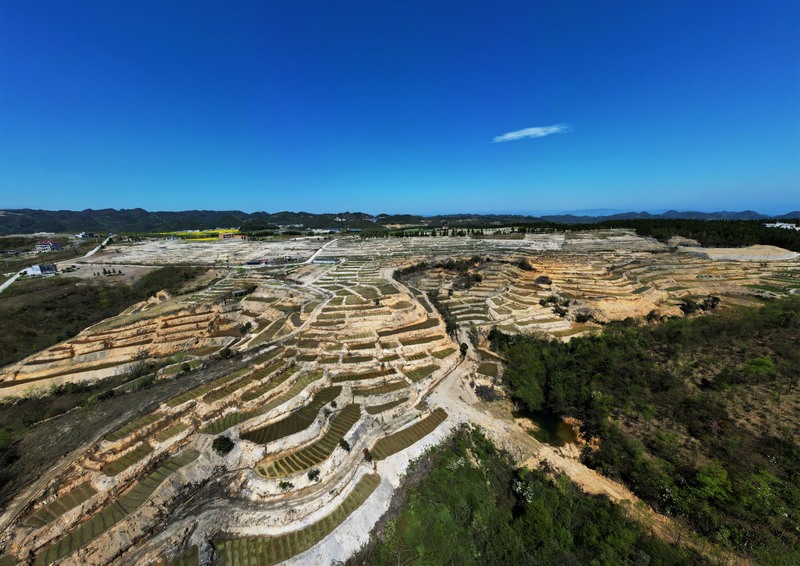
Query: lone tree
(464, 347)
(222, 445)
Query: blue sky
(400, 107)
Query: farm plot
(276, 381)
(272, 550)
(61, 505)
(201, 390)
(402, 439)
(294, 423)
(316, 453)
(378, 409)
(421, 373)
(127, 429)
(224, 423)
(417, 356)
(361, 376)
(114, 512)
(488, 368)
(269, 332)
(174, 430)
(424, 325)
(121, 464)
(421, 340)
(442, 354)
(380, 389)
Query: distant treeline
(710, 232)
(714, 233)
(27, 221)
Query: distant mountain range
(27, 221)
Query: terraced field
(113, 513)
(420, 373)
(52, 511)
(404, 438)
(127, 460)
(295, 422)
(378, 409)
(272, 550)
(305, 336)
(316, 453)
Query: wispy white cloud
(537, 132)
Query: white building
(41, 269)
(784, 225)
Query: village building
(783, 225)
(47, 246)
(41, 269)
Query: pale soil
(750, 253)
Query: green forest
(685, 413)
(470, 506)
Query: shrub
(222, 445)
(313, 475)
(344, 444)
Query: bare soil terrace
(328, 361)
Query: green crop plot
(420, 373)
(132, 426)
(270, 331)
(418, 356)
(402, 439)
(488, 368)
(295, 422)
(232, 419)
(61, 505)
(441, 354)
(427, 323)
(378, 409)
(201, 390)
(261, 390)
(174, 430)
(126, 461)
(361, 376)
(271, 550)
(224, 423)
(350, 359)
(316, 453)
(112, 513)
(421, 340)
(380, 389)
